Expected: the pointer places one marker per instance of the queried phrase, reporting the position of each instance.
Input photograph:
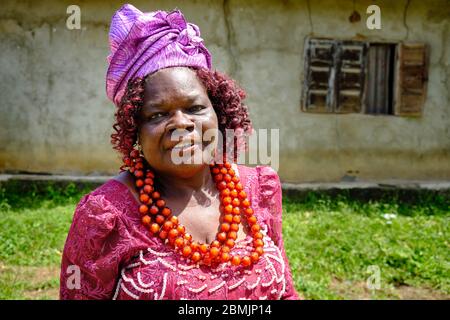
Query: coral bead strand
(234, 204)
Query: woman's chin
(186, 170)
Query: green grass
(33, 227)
(330, 240)
(335, 240)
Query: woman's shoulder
(263, 185)
(265, 177)
(104, 204)
(264, 188)
(260, 170)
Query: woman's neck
(186, 188)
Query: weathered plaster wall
(55, 117)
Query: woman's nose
(179, 120)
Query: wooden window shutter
(412, 78)
(318, 83)
(350, 65)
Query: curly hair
(226, 98)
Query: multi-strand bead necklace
(160, 221)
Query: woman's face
(173, 121)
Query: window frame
(404, 73)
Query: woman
(165, 229)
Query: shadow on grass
(17, 195)
(402, 201)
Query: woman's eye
(196, 108)
(155, 116)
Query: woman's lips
(185, 146)
(186, 149)
(174, 142)
(185, 142)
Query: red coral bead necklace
(160, 221)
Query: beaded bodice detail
(157, 273)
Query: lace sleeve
(92, 253)
(270, 195)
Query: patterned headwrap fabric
(143, 43)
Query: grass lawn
(336, 245)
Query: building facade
(55, 117)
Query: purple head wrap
(142, 43)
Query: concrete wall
(55, 117)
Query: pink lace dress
(119, 259)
